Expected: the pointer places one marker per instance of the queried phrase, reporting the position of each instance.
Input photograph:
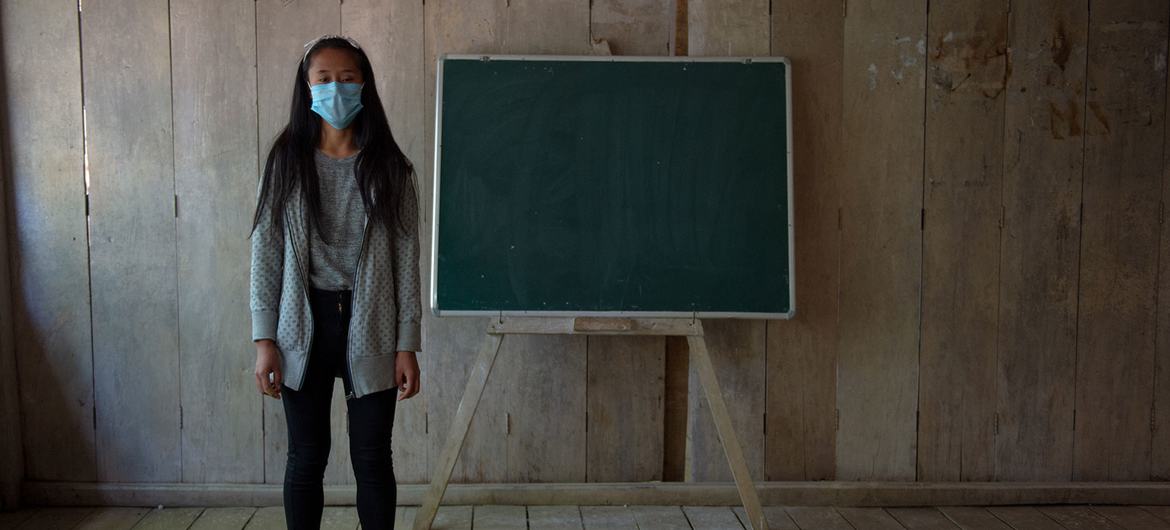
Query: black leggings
(371, 422)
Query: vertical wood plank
(11, 445)
(1116, 319)
(676, 408)
(802, 352)
(450, 343)
(632, 27)
(737, 352)
(1160, 418)
(1039, 244)
(625, 392)
(626, 382)
(881, 239)
(215, 159)
(729, 28)
(282, 29)
(49, 243)
(967, 70)
(391, 33)
(127, 83)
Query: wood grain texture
(453, 517)
(1116, 313)
(881, 243)
(800, 433)
(712, 518)
(1040, 239)
(554, 518)
(1076, 517)
(215, 161)
(922, 517)
(626, 385)
(607, 517)
(137, 380)
(776, 516)
(632, 27)
(820, 517)
(391, 33)
(215, 518)
(282, 29)
(729, 28)
(1131, 517)
(676, 409)
(660, 517)
(48, 240)
(1160, 443)
(978, 517)
(967, 67)
(869, 517)
(500, 517)
(11, 443)
(736, 348)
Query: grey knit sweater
(386, 310)
(342, 215)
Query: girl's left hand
(406, 374)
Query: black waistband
(326, 295)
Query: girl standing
(335, 281)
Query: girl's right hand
(268, 362)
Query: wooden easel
(691, 328)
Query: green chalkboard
(638, 186)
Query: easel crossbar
(595, 326)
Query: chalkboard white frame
(433, 298)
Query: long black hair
(383, 172)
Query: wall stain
(1099, 113)
(1060, 48)
(1064, 120)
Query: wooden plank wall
(880, 194)
(980, 246)
(966, 70)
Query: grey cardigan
(386, 304)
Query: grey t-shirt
(343, 218)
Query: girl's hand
(406, 374)
(268, 361)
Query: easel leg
(458, 433)
(743, 481)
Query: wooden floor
(623, 517)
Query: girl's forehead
(332, 59)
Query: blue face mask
(337, 102)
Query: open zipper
(304, 287)
(352, 302)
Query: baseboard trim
(814, 493)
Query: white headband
(309, 45)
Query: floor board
(638, 517)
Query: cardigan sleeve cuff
(409, 336)
(264, 324)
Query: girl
(335, 280)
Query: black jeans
(371, 422)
